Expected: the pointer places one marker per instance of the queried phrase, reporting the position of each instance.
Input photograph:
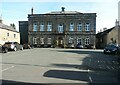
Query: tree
(13, 25)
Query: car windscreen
(111, 46)
(8, 43)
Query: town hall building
(60, 28)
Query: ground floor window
(87, 41)
(34, 40)
(71, 40)
(49, 40)
(42, 40)
(79, 41)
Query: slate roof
(64, 12)
(104, 32)
(3, 26)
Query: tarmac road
(55, 65)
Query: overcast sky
(13, 11)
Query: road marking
(8, 68)
(89, 76)
(90, 79)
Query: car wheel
(104, 52)
(21, 48)
(15, 49)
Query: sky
(13, 11)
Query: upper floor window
(60, 28)
(49, 26)
(71, 27)
(35, 27)
(41, 26)
(79, 27)
(87, 41)
(87, 27)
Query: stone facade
(62, 28)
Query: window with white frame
(34, 40)
(79, 41)
(49, 26)
(42, 26)
(60, 28)
(79, 27)
(49, 41)
(35, 27)
(71, 26)
(87, 27)
(42, 40)
(87, 41)
(71, 40)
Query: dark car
(13, 46)
(79, 46)
(111, 49)
(27, 46)
(3, 49)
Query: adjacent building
(8, 34)
(23, 29)
(61, 28)
(119, 11)
(109, 36)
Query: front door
(60, 42)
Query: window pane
(71, 27)
(79, 41)
(42, 40)
(41, 26)
(35, 27)
(79, 27)
(87, 41)
(71, 40)
(87, 27)
(14, 35)
(60, 28)
(49, 27)
(49, 40)
(34, 40)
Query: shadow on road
(103, 68)
(65, 74)
(12, 82)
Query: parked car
(27, 46)
(70, 45)
(112, 49)
(13, 46)
(3, 49)
(79, 46)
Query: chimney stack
(32, 10)
(117, 23)
(0, 19)
(63, 9)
